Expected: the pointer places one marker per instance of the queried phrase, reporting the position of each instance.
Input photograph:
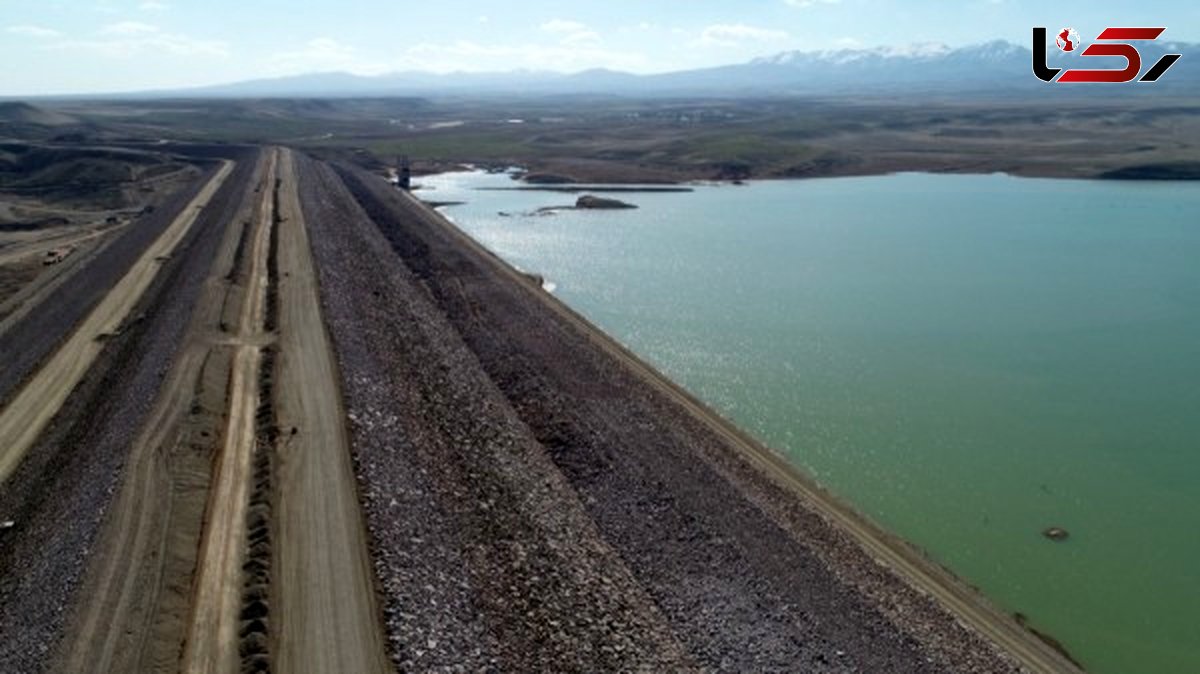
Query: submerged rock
(589, 201)
(1056, 533)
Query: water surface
(967, 359)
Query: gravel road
(485, 555)
(58, 496)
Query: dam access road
(295, 421)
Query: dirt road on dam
(328, 613)
(237, 543)
(24, 417)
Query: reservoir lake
(969, 360)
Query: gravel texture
(61, 491)
(486, 558)
(28, 342)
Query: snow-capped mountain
(924, 51)
(997, 66)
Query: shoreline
(968, 605)
(618, 176)
(688, 184)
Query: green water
(967, 359)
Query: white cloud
(324, 54)
(465, 55)
(582, 37)
(128, 28)
(562, 26)
(129, 39)
(729, 34)
(637, 28)
(153, 6)
(571, 32)
(33, 31)
(810, 3)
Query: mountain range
(996, 66)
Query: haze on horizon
(102, 46)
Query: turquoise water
(967, 359)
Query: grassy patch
(740, 146)
(452, 144)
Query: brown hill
(16, 112)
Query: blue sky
(85, 46)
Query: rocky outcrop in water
(592, 202)
(1056, 533)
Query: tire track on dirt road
(136, 594)
(27, 414)
(212, 644)
(325, 616)
(242, 551)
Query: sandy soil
(61, 493)
(213, 640)
(86, 227)
(233, 547)
(15, 278)
(38, 281)
(36, 246)
(29, 336)
(140, 581)
(324, 611)
(31, 409)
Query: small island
(592, 202)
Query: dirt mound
(99, 176)
(23, 113)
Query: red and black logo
(1106, 45)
